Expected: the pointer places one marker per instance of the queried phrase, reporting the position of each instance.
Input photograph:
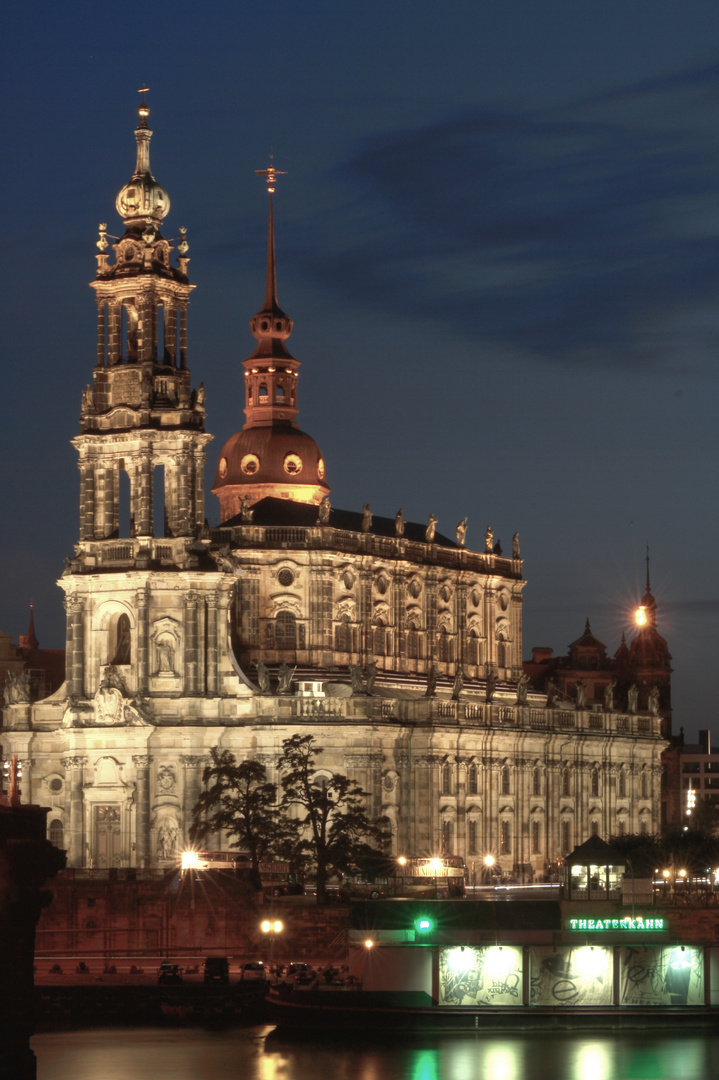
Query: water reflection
(193, 1054)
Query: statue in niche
(653, 701)
(246, 511)
(431, 681)
(581, 694)
(371, 676)
(458, 686)
(609, 695)
(399, 523)
(431, 529)
(17, 687)
(522, 689)
(263, 677)
(165, 647)
(356, 677)
(488, 539)
(492, 680)
(323, 516)
(167, 839)
(284, 678)
(632, 698)
(461, 532)
(366, 518)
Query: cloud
(576, 238)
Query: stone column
(114, 332)
(213, 601)
(183, 336)
(73, 771)
(170, 313)
(192, 765)
(74, 657)
(142, 601)
(142, 809)
(191, 657)
(101, 333)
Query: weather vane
(270, 173)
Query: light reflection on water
(246, 1054)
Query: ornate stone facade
(399, 649)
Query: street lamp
(272, 927)
(489, 861)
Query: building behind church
(397, 647)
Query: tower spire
(270, 457)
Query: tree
(331, 824)
(240, 801)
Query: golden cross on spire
(270, 173)
(143, 110)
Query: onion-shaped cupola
(270, 456)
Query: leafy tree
(329, 821)
(239, 800)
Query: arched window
(121, 653)
(443, 646)
(645, 786)
(595, 782)
(536, 838)
(472, 780)
(505, 838)
(285, 630)
(472, 648)
(446, 780)
(472, 837)
(536, 782)
(379, 639)
(566, 837)
(414, 643)
(56, 834)
(343, 642)
(262, 394)
(594, 825)
(446, 837)
(566, 782)
(280, 393)
(506, 780)
(501, 653)
(622, 784)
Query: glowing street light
(272, 927)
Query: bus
(277, 878)
(417, 876)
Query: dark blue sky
(498, 241)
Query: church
(398, 648)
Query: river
(259, 1054)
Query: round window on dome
(321, 469)
(250, 464)
(293, 464)
(223, 467)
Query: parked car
(169, 974)
(253, 971)
(217, 969)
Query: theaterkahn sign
(632, 924)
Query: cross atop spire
(270, 174)
(143, 110)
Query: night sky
(497, 237)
